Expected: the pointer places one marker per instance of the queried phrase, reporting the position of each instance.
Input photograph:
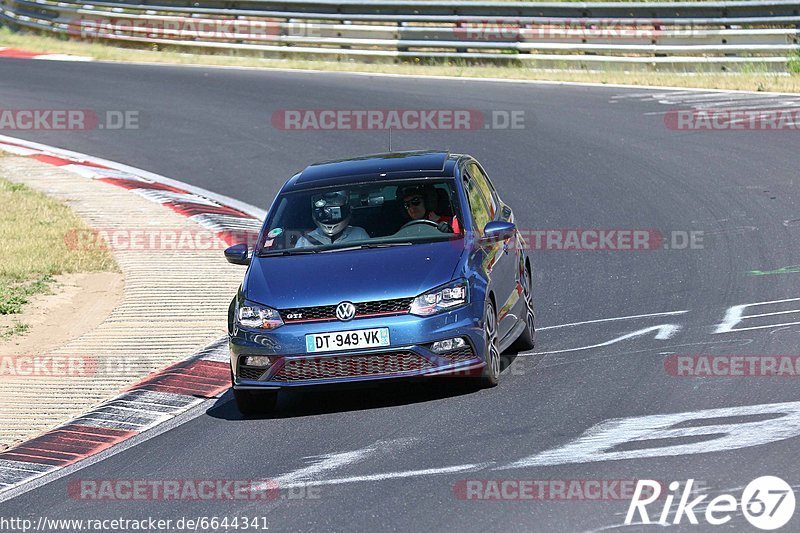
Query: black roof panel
(377, 166)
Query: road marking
(773, 314)
(735, 314)
(769, 107)
(711, 102)
(550, 362)
(742, 105)
(768, 326)
(595, 444)
(630, 317)
(325, 464)
(692, 98)
(665, 331)
(385, 476)
(653, 95)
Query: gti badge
(345, 311)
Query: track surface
(586, 159)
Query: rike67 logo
(767, 503)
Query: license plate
(347, 340)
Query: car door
(502, 262)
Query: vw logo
(345, 311)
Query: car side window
(477, 205)
(482, 183)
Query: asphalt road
(584, 159)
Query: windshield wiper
(385, 244)
(367, 246)
(288, 252)
(302, 251)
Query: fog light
(257, 360)
(448, 345)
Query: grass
(14, 293)
(794, 63)
(33, 245)
(754, 77)
(17, 329)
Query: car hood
(365, 275)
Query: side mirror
(238, 254)
(498, 231)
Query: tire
(255, 402)
(527, 339)
(491, 372)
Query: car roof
(375, 168)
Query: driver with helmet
(331, 214)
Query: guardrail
(653, 35)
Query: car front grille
(459, 356)
(251, 372)
(350, 366)
(363, 310)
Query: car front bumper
(408, 354)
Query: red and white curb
(26, 54)
(225, 216)
(160, 396)
(156, 399)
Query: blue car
(386, 266)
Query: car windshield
(398, 213)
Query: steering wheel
(421, 221)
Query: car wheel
(255, 402)
(491, 372)
(527, 339)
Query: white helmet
(331, 212)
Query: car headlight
(452, 295)
(253, 315)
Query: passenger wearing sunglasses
(420, 202)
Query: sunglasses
(416, 202)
